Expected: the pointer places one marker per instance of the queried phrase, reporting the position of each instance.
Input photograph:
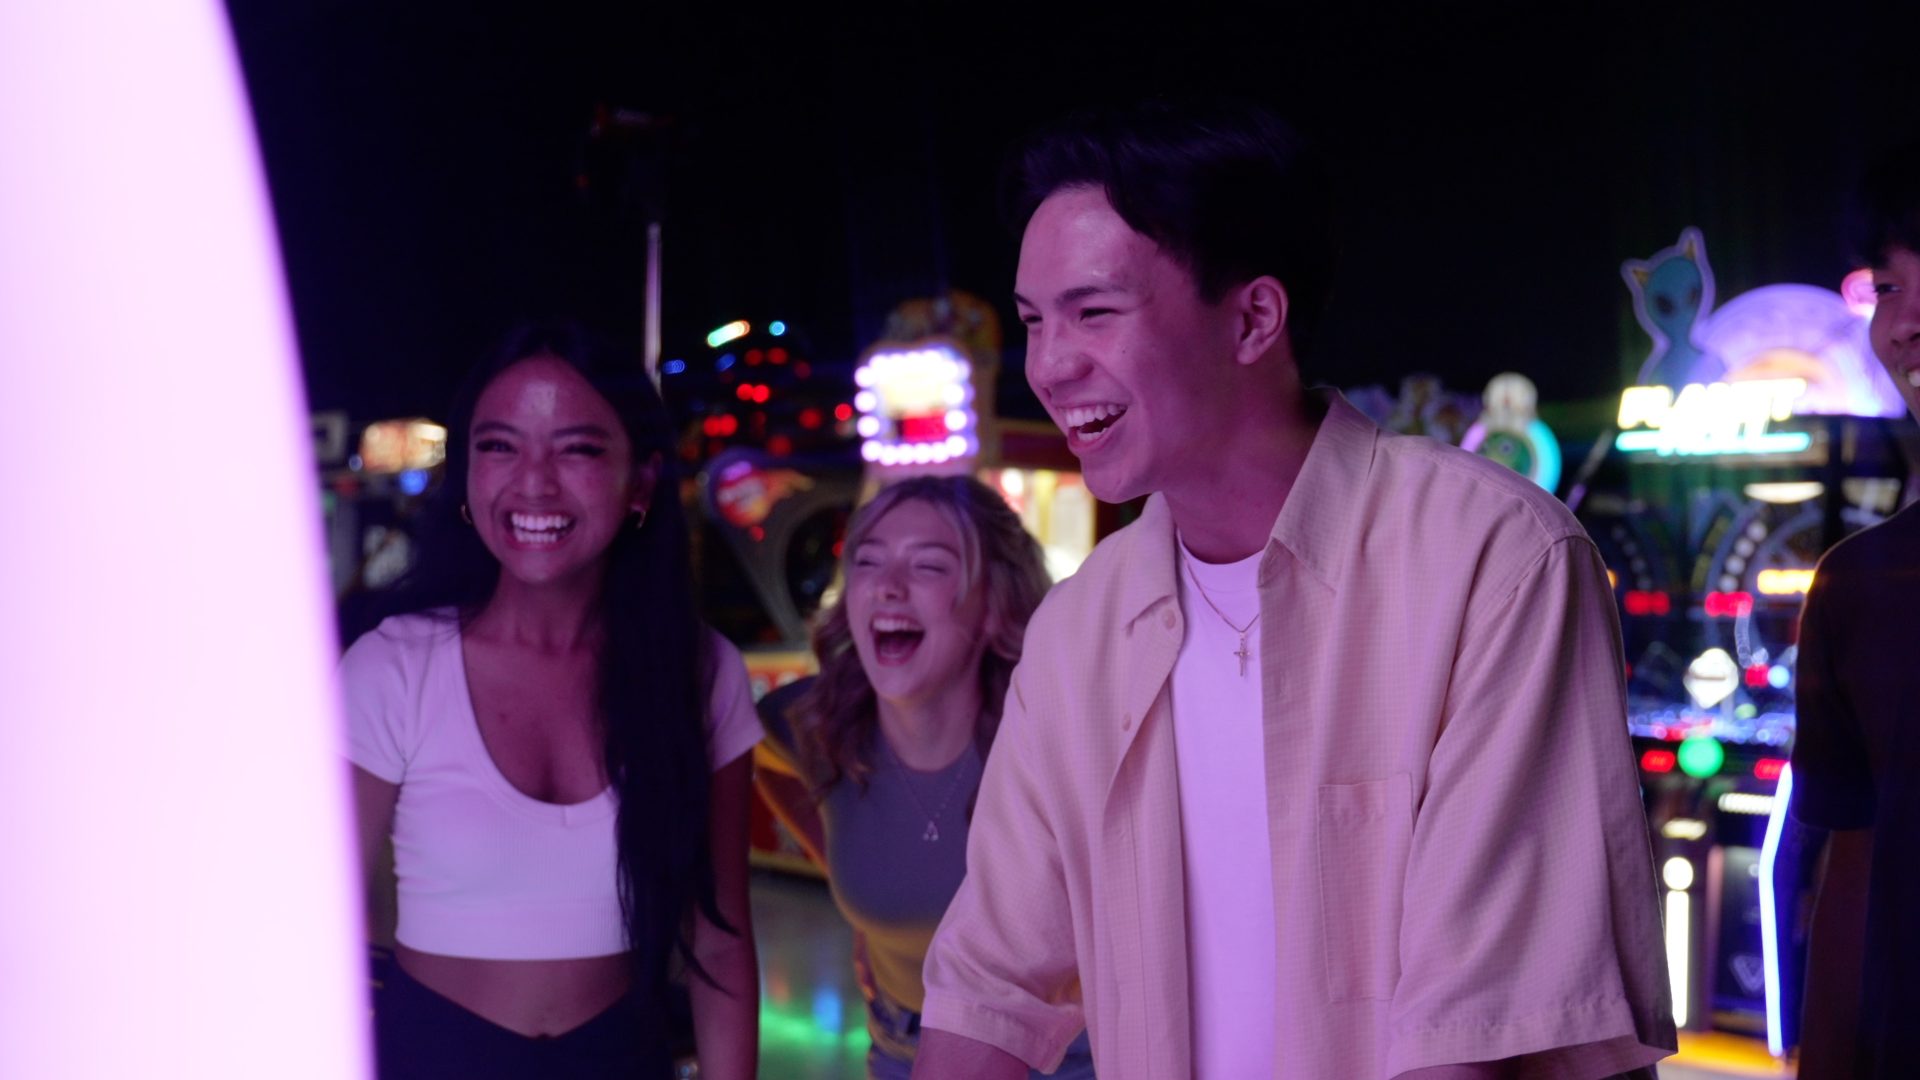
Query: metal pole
(652, 353)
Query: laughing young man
(1320, 769)
(1855, 758)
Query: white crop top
(486, 871)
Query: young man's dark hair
(1890, 205)
(1226, 188)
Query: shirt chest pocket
(1362, 833)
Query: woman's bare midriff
(531, 997)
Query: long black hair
(655, 667)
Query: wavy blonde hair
(837, 717)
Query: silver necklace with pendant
(1241, 652)
(932, 832)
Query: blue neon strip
(1773, 442)
(1769, 913)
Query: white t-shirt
(485, 870)
(1223, 820)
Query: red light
(780, 446)
(810, 418)
(1644, 602)
(761, 393)
(1768, 768)
(757, 533)
(843, 411)
(1756, 675)
(744, 391)
(802, 369)
(1729, 605)
(1657, 761)
(777, 355)
(923, 428)
(754, 356)
(710, 426)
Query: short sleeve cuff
(1829, 805)
(1598, 1038)
(1041, 1042)
(375, 764)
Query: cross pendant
(1242, 653)
(932, 834)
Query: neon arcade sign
(916, 405)
(1707, 419)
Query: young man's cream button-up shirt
(1461, 867)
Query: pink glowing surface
(178, 885)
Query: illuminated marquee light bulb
(863, 376)
(868, 426)
(870, 450)
(866, 401)
(1677, 873)
(956, 420)
(956, 445)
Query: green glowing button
(1701, 756)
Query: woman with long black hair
(556, 747)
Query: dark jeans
(419, 1035)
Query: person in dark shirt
(1856, 759)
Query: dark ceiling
(1497, 163)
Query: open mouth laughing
(539, 530)
(1087, 425)
(895, 638)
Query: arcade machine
(368, 498)
(1759, 435)
(787, 457)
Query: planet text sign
(1711, 418)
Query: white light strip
(1770, 914)
(1659, 442)
(180, 895)
(1684, 829)
(1679, 912)
(1744, 802)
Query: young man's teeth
(1082, 415)
(887, 624)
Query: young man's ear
(646, 476)
(1263, 318)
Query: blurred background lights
(733, 331)
(776, 328)
(1677, 873)
(1701, 756)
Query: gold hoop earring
(465, 515)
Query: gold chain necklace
(1240, 652)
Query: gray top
(896, 851)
